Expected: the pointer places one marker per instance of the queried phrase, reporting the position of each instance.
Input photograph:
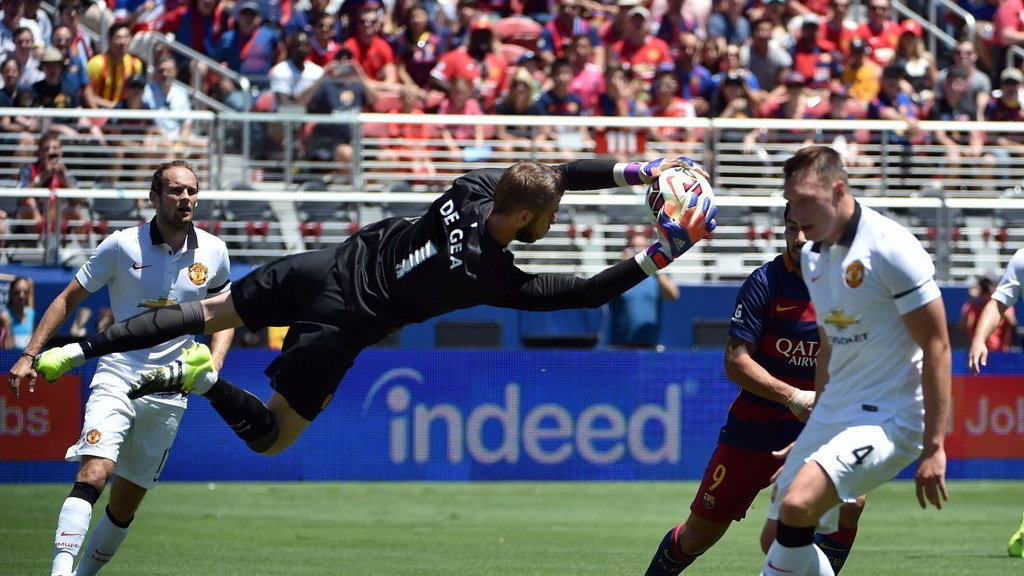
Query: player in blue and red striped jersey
(771, 354)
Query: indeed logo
(547, 433)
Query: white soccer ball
(677, 190)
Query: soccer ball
(677, 190)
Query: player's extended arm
(988, 320)
(220, 342)
(55, 316)
(927, 326)
(742, 369)
(602, 174)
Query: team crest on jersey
(198, 273)
(854, 274)
(708, 501)
(92, 437)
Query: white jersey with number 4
(861, 287)
(141, 272)
(1008, 291)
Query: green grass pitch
(516, 529)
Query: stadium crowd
(662, 58)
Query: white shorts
(857, 458)
(137, 434)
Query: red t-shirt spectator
(645, 59)
(373, 57)
(882, 42)
(488, 76)
(1009, 16)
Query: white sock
(799, 561)
(205, 381)
(75, 351)
(72, 525)
(824, 566)
(104, 540)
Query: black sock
(118, 523)
(86, 492)
(147, 330)
(246, 414)
(794, 536)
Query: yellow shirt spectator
(108, 74)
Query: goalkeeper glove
(636, 173)
(800, 403)
(675, 238)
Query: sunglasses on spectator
(369, 23)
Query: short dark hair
(9, 60)
(529, 185)
(116, 27)
(156, 186)
(823, 161)
(559, 63)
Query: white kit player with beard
(883, 375)
(164, 261)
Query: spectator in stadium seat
(323, 48)
(107, 72)
(587, 78)
(879, 32)
(163, 94)
(309, 19)
(730, 62)
(641, 51)
(614, 29)
(775, 11)
(17, 129)
(137, 140)
(635, 315)
(74, 78)
(1001, 338)
(893, 103)
(839, 106)
(979, 85)
(818, 65)
(48, 171)
(765, 58)
(696, 83)
(372, 51)
(955, 104)
(139, 14)
(676, 24)
(560, 101)
(918, 63)
(838, 30)
(250, 48)
(197, 24)
(1005, 106)
(1008, 25)
(788, 104)
(70, 12)
(455, 34)
(520, 100)
(861, 76)
(667, 103)
(39, 22)
(295, 79)
(53, 92)
(13, 12)
(408, 146)
(25, 53)
(417, 50)
(476, 62)
(18, 317)
(343, 88)
(460, 137)
(557, 36)
(620, 98)
(729, 22)
(734, 99)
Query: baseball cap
(1012, 75)
(810, 21)
(912, 27)
(858, 45)
(251, 5)
(639, 11)
(52, 55)
(136, 80)
(795, 79)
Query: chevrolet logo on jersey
(840, 319)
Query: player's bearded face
(537, 227)
(795, 240)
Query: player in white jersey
(883, 373)
(164, 261)
(1006, 295)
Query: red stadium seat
(518, 30)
